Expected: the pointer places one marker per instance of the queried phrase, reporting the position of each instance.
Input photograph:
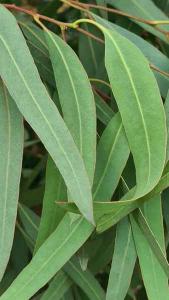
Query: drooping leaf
(54, 191)
(166, 105)
(145, 9)
(155, 279)
(50, 258)
(39, 50)
(58, 287)
(123, 262)
(153, 54)
(11, 141)
(112, 155)
(95, 50)
(78, 107)
(85, 280)
(140, 106)
(40, 112)
(29, 220)
(104, 112)
(109, 213)
(154, 244)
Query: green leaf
(109, 213)
(39, 50)
(78, 107)
(140, 106)
(104, 112)
(58, 287)
(34, 103)
(166, 105)
(123, 262)
(145, 9)
(11, 141)
(93, 48)
(85, 280)
(55, 190)
(50, 258)
(103, 256)
(154, 277)
(154, 56)
(154, 244)
(112, 155)
(29, 220)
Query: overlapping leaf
(78, 107)
(11, 141)
(36, 106)
(140, 106)
(145, 9)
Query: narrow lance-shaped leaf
(39, 50)
(109, 213)
(140, 106)
(84, 279)
(50, 258)
(123, 262)
(155, 280)
(11, 141)
(55, 190)
(145, 9)
(112, 155)
(104, 112)
(153, 54)
(79, 114)
(40, 112)
(77, 100)
(58, 287)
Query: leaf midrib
(49, 258)
(84, 279)
(137, 101)
(44, 117)
(74, 91)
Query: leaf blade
(47, 123)
(11, 135)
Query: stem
(158, 70)
(90, 35)
(74, 25)
(99, 81)
(84, 7)
(116, 11)
(37, 16)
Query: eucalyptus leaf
(11, 141)
(34, 103)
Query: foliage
(84, 177)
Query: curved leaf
(77, 100)
(123, 262)
(11, 141)
(55, 190)
(145, 9)
(112, 155)
(153, 54)
(140, 106)
(50, 258)
(154, 267)
(40, 112)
